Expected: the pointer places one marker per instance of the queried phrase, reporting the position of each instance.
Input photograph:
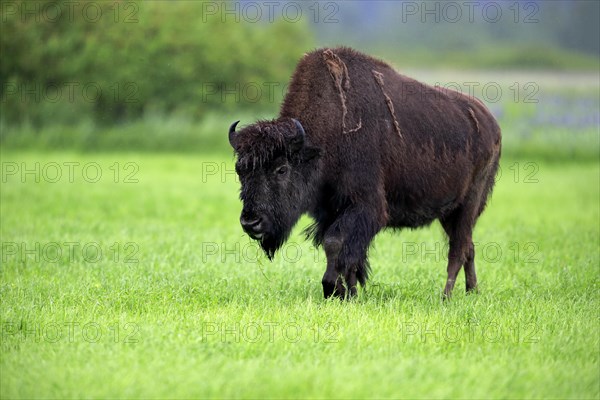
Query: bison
(360, 147)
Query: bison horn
(296, 142)
(232, 132)
(299, 127)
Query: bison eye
(282, 170)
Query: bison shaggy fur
(361, 147)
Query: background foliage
(171, 75)
(148, 59)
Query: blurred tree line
(172, 75)
(473, 34)
(112, 61)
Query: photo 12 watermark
(268, 332)
(67, 252)
(72, 332)
(454, 12)
(491, 92)
(71, 11)
(469, 332)
(316, 12)
(519, 172)
(70, 92)
(492, 252)
(70, 172)
(222, 172)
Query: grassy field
(128, 275)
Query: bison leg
(336, 282)
(459, 227)
(470, 275)
(332, 280)
(455, 262)
(346, 243)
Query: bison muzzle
(360, 147)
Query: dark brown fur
(380, 150)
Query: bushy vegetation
(66, 63)
(84, 66)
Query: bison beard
(279, 233)
(270, 244)
(361, 148)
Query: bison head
(277, 167)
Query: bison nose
(252, 225)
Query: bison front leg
(340, 278)
(346, 243)
(333, 283)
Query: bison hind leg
(459, 228)
(469, 265)
(459, 225)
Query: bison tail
(489, 185)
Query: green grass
(199, 315)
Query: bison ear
(296, 141)
(232, 133)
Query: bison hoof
(328, 289)
(337, 289)
(472, 289)
(447, 295)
